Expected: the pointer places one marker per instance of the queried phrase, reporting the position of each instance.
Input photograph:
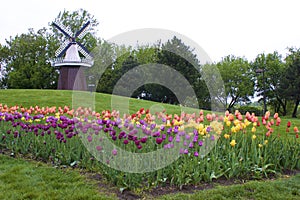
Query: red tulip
(289, 124)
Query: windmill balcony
(85, 62)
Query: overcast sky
(220, 27)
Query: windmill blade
(81, 33)
(84, 51)
(62, 47)
(62, 52)
(66, 31)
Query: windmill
(71, 66)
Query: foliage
(291, 82)
(273, 69)
(27, 61)
(180, 57)
(238, 80)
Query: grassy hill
(43, 98)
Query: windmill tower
(71, 76)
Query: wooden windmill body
(71, 65)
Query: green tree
(3, 70)
(108, 66)
(238, 80)
(270, 82)
(175, 54)
(290, 86)
(27, 61)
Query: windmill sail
(84, 51)
(65, 30)
(62, 49)
(81, 33)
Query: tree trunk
(296, 108)
(283, 105)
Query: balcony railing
(62, 61)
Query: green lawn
(42, 98)
(284, 188)
(20, 179)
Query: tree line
(25, 62)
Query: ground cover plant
(244, 147)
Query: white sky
(220, 27)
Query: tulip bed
(208, 146)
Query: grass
(20, 179)
(43, 98)
(284, 188)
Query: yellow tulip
(246, 122)
(233, 129)
(226, 136)
(228, 123)
(253, 137)
(200, 128)
(236, 122)
(253, 130)
(232, 143)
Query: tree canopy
(238, 80)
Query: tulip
(186, 151)
(159, 140)
(99, 148)
(200, 143)
(233, 143)
(144, 139)
(125, 141)
(89, 138)
(114, 152)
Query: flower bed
(185, 148)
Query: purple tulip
(159, 140)
(125, 141)
(99, 148)
(89, 138)
(114, 152)
(200, 143)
